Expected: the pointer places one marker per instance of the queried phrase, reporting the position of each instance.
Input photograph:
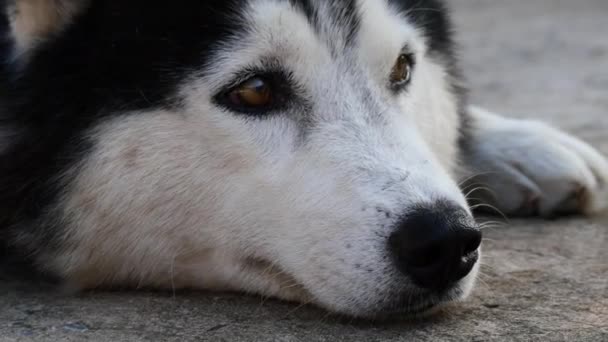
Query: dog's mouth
(281, 284)
(412, 305)
(418, 311)
(425, 306)
(406, 306)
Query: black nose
(436, 246)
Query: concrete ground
(543, 281)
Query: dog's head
(304, 149)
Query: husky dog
(308, 150)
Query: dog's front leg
(525, 167)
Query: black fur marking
(347, 12)
(432, 16)
(5, 43)
(117, 56)
(343, 12)
(307, 8)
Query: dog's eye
(255, 94)
(402, 71)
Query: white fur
(195, 198)
(530, 166)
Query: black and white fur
(118, 167)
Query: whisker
(489, 206)
(487, 266)
(475, 176)
(491, 225)
(482, 282)
(299, 307)
(291, 286)
(499, 223)
(466, 180)
(471, 185)
(263, 300)
(479, 188)
(325, 317)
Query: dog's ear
(30, 22)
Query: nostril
(473, 242)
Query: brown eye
(254, 93)
(402, 71)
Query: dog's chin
(427, 304)
(407, 308)
(411, 304)
(406, 305)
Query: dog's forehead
(341, 22)
(305, 35)
(145, 51)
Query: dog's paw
(529, 168)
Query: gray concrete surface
(542, 281)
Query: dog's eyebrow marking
(348, 13)
(431, 17)
(306, 7)
(344, 13)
